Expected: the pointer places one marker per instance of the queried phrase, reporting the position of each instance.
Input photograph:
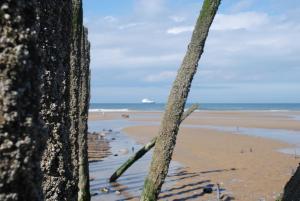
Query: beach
(239, 150)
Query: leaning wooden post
(140, 153)
(166, 140)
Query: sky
(251, 53)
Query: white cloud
(120, 58)
(146, 47)
(162, 76)
(241, 47)
(130, 25)
(245, 20)
(180, 29)
(110, 18)
(241, 5)
(149, 8)
(177, 18)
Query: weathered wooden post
(291, 189)
(83, 183)
(73, 83)
(54, 40)
(166, 140)
(21, 133)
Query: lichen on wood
(166, 140)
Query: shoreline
(241, 164)
(255, 119)
(237, 162)
(198, 110)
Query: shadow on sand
(188, 186)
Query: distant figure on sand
(218, 192)
(132, 149)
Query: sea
(123, 107)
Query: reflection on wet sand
(98, 147)
(109, 149)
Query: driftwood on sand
(141, 152)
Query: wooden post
(83, 183)
(140, 153)
(291, 189)
(21, 134)
(166, 140)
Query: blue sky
(251, 54)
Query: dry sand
(248, 168)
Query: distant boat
(146, 100)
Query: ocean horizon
(123, 107)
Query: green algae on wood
(170, 123)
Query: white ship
(146, 100)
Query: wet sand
(98, 147)
(246, 167)
(108, 150)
